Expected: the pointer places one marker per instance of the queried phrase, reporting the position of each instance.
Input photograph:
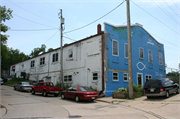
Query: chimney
(98, 28)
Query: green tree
(50, 49)
(37, 51)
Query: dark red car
(78, 93)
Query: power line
(31, 29)
(31, 12)
(31, 20)
(51, 4)
(155, 18)
(69, 38)
(51, 37)
(175, 4)
(167, 13)
(171, 8)
(96, 19)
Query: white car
(1, 81)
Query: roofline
(132, 25)
(63, 47)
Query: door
(139, 79)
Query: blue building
(147, 57)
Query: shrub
(136, 88)
(121, 90)
(66, 85)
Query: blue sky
(161, 19)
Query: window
(13, 68)
(55, 57)
(42, 60)
(160, 58)
(141, 53)
(125, 76)
(148, 77)
(95, 76)
(68, 78)
(115, 48)
(115, 76)
(126, 50)
(150, 56)
(70, 53)
(32, 63)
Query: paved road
(23, 105)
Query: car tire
(167, 94)
(44, 93)
(21, 89)
(92, 100)
(62, 96)
(33, 92)
(77, 99)
(148, 97)
(14, 88)
(56, 94)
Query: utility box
(62, 20)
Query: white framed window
(126, 50)
(95, 76)
(42, 60)
(68, 78)
(160, 58)
(70, 53)
(32, 63)
(141, 53)
(126, 76)
(115, 48)
(115, 76)
(55, 57)
(148, 77)
(150, 58)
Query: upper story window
(115, 48)
(42, 60)
(32, 63)
(55, 57)
(13, 68)
(160, 59)
(141, 53)
(70, 53)
(150, 56)
(125, 76)
(126, 50)
(95, 76)
(115, 76)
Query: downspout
(48, 63)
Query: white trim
(140, 52)
(125, 50)
(117, 47)
(141, 78)
(117, 76)
(127, 77)
(148, 56)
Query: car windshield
(26, 83)
(85, 89)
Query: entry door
(139, 79)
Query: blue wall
(139, 38)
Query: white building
(82, 64)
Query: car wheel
(21, 89)
(167, 94)
(77, 99)
(44, 93)
(62, 96)
(56, 94)
(14, 88)
(32, 92)
(148, 97)
(92, 100)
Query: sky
(36, 22)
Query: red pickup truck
(46, 88)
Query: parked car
(1, 81)
(160, 87)
(23, 86)
(46, 88)
(78, 93)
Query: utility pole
(62, 22)
(131, 92)
(179, 76)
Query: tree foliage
(50, 49)
(173, 74)
(37, 51)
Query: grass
(15, 81)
